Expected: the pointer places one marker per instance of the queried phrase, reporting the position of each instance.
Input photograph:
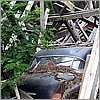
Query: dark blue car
(53, 71)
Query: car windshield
(63, 60)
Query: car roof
(73, 51)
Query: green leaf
(10, 60)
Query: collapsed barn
(64, 60)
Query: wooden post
(91, 75)
(90, 5)
(42, 21)
(42, 14)
(17, 92)
(85, 68)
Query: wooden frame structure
(90, 80)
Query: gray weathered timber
(75, 15)
(91, 74)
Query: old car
(56, 73)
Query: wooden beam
(92, 35)
(28, 7)
(61, 6)
(17, 92)
(90, 5)
(76, 15)
(70, 44)
(42, 21)
(69, 4)
(91, 75)
(74, 29)
(95, 86)
(25, 95)
(46, 16)
(82, 30)
(85, 67)
(71, 31)
(90, 22)
(96, 89)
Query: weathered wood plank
(91, 74)
(42, 21)
(92, 35)
(69, 4)
(96, 89)
(42, 14)
(28, 7)
(25, 95)
(76, 15)
(46, 17)
(85, 68)
(71, 31)
(17, 92)
(95, 86)
(82, 30)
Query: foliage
(15, 60)
(48, 4)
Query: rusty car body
(55, 73)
